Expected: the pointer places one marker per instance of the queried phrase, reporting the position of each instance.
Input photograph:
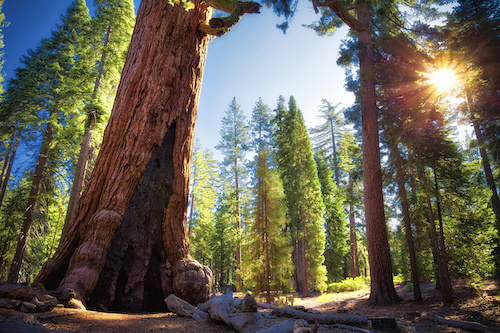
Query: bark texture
(155, 106)
(382, 286)
(240, 314)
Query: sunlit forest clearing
(384, 216)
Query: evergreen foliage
(303, 194)
(234, 145)
(204, 182)
(269, 261)
(335, 222)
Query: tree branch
(220, 25)
(343, 14)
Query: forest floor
(480, 303)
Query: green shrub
(348, 284)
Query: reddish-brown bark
(158, 94)
(382, 286)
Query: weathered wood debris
(28, 299)
(243, 316)
(291, 312)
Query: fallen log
(184, 309)
(26, 298)
(311, 318)
(467, 325)
(267, 306)
(242, 315)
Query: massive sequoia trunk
(112, 249)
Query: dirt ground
(481, 305)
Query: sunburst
(444, 79)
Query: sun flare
(444, 79)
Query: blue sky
(255, 59)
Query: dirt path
(482, 305)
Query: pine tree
(303, 194)
(269, 261)
(335, 221)
(234, 145)
(326, 135)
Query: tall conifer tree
(335, 221)
(303, 194)
(269, 262)
(234, 145)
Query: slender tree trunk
(85, 148)
(239, 283)
(157, 96)
(382, 286)
(442, 263)
(415, 280)
(32, 201)
(335, 157)
(9, 169)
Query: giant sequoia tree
(151, 128)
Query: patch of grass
(348, 284)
